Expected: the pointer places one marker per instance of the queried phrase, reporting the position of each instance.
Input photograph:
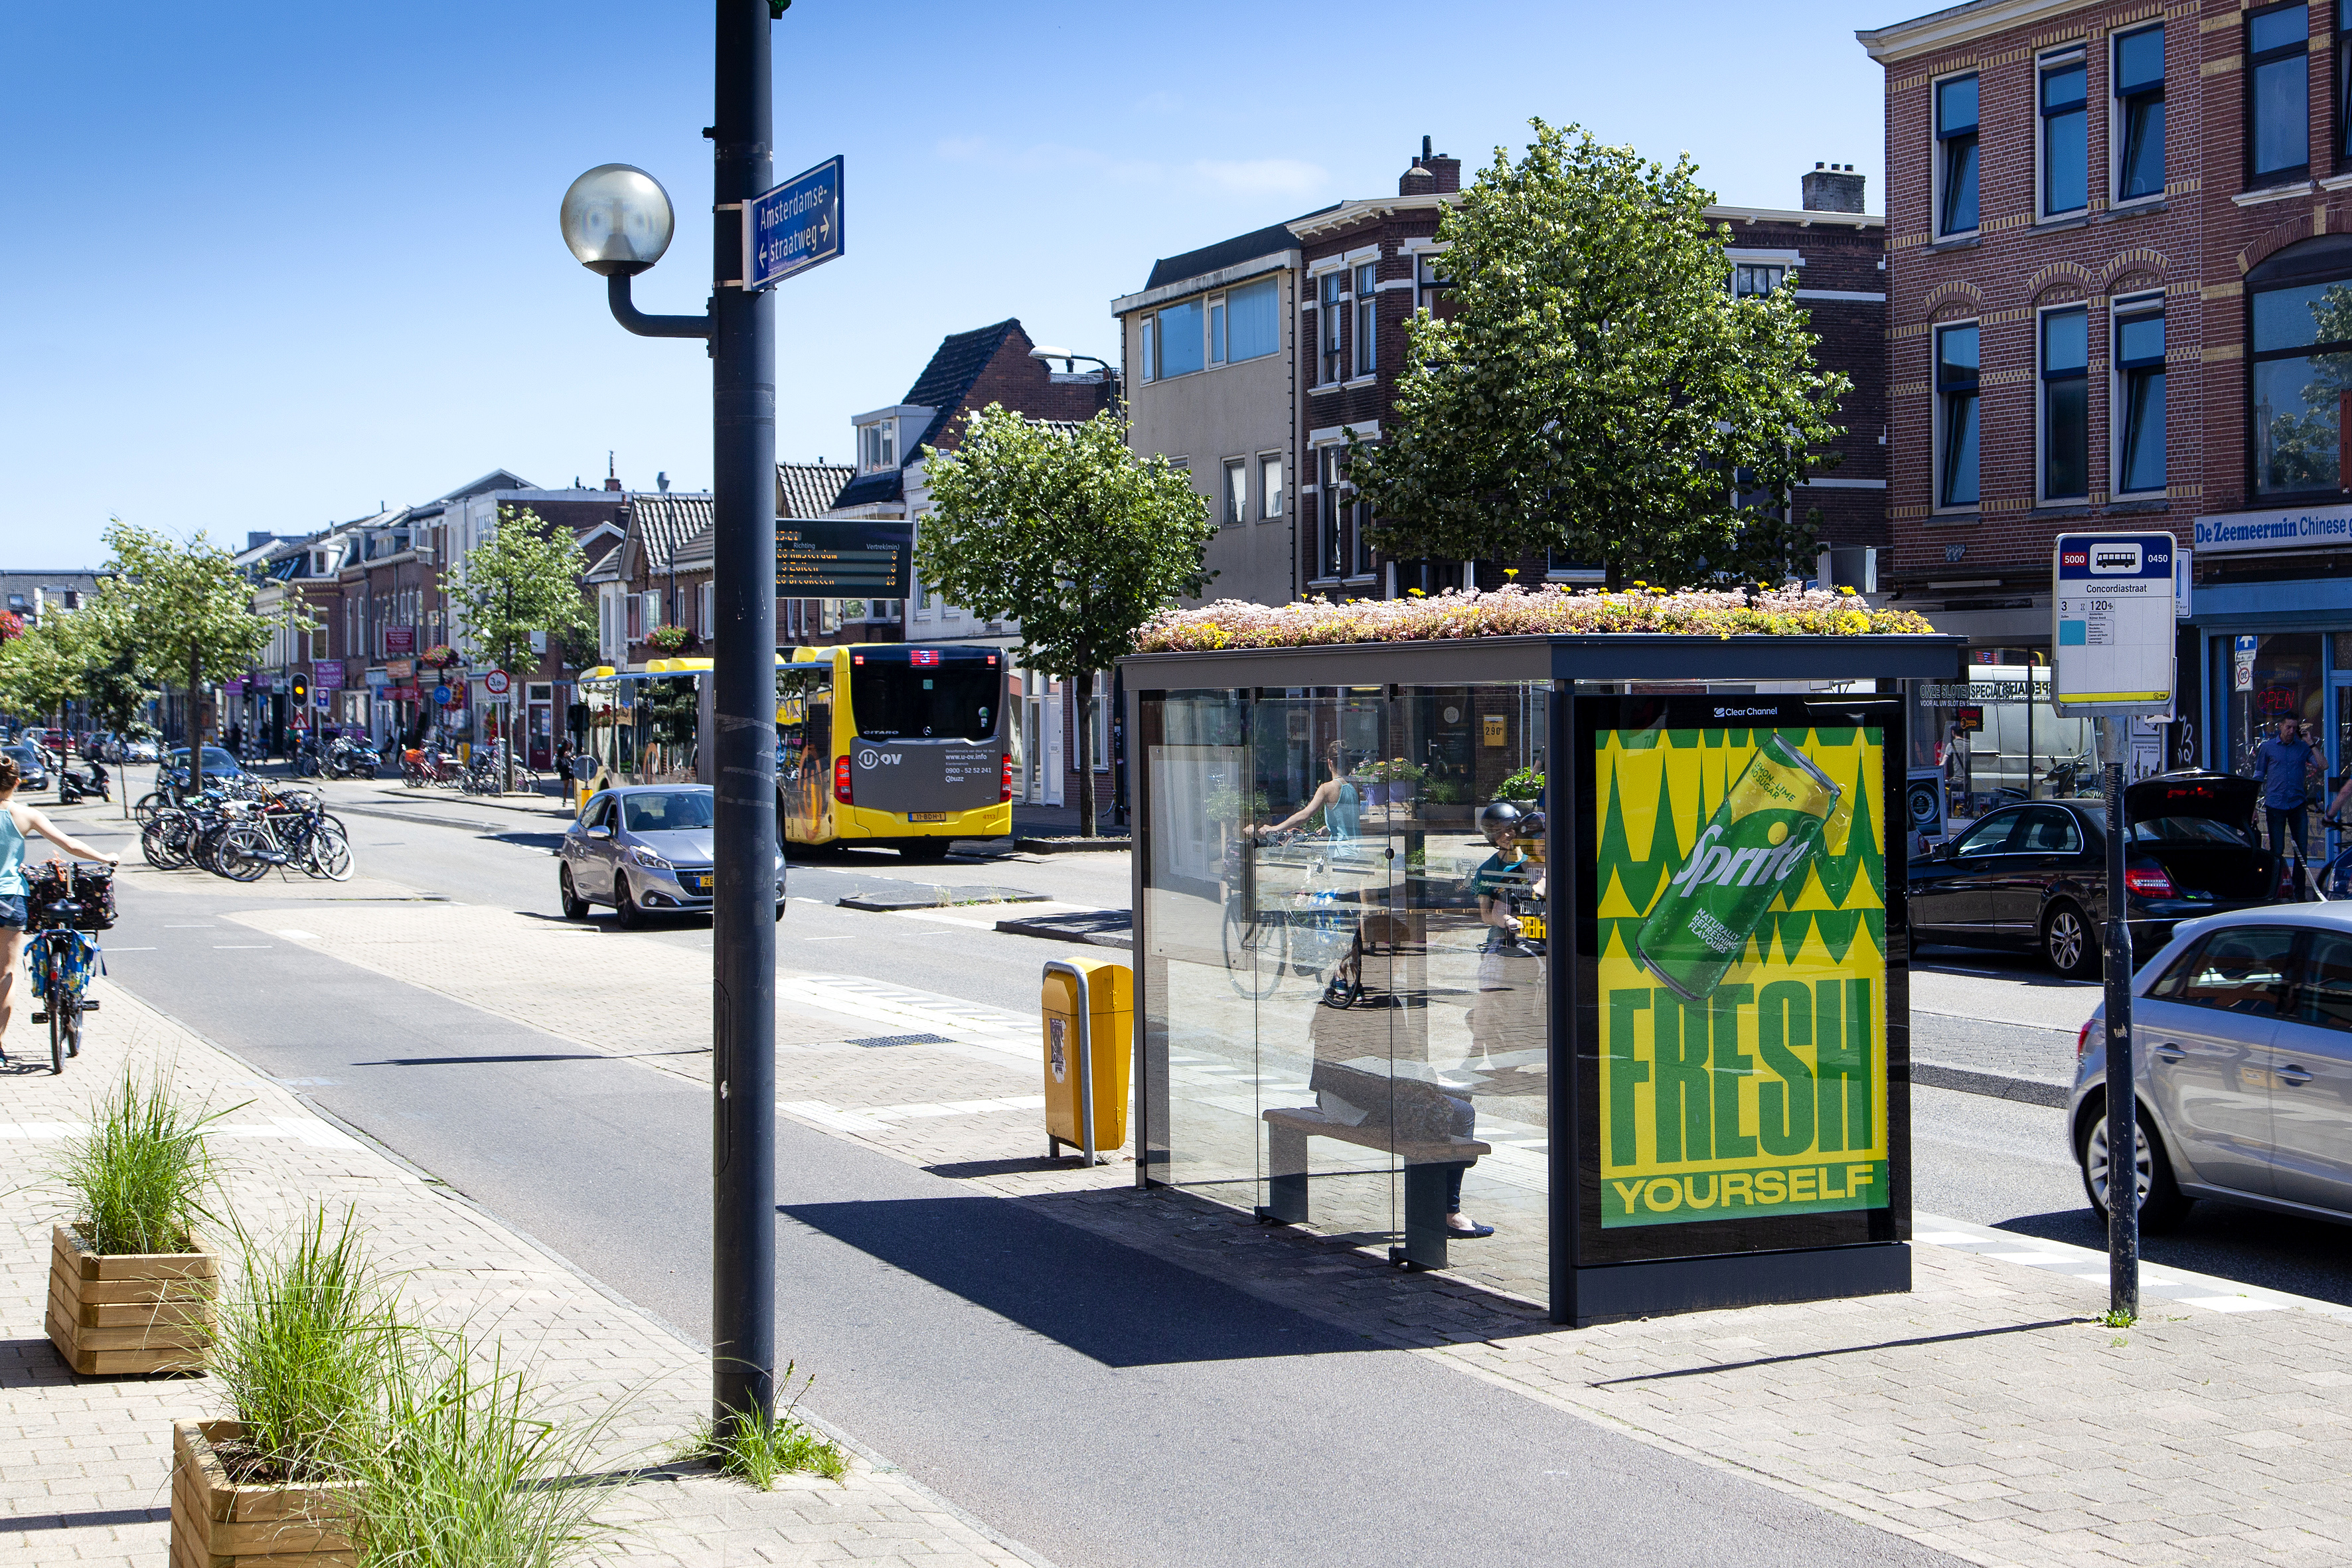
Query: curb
(2000, 1086)
(1071, 846)
(387, 815)
(1081, 926)
(935, 896)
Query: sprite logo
(1711, 864)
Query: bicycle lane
(1096, 1402)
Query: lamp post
(617, 221)
(1118, 698)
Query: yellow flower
(1853, 623)
(1510, 572)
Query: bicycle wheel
(57, 1031)
(1254, 952)
(240, 856)
(329, 853)
(73, 1027)
(164, 844)
(148, 806)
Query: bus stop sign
(2112, 641)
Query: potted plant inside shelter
(130, 1277)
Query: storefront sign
(400, 668)
(2111, 603)
(399, 694)
(1974, 693)
(379, 678)
(1742, 975)
(400, 639)
(327, 675)
(2303, 528)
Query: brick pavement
(84, 1462)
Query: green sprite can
(1759, 843)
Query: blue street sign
(444, 696)
(794, 228)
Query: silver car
(2241, 1050)
(645, 849)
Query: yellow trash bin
(1089, 1007)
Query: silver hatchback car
(2242, 1050)
(645, 849)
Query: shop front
(1562, 962)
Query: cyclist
(1336, 798)
(17, 821)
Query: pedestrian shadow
(1120, 1306)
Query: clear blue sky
(274, 263)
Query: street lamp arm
(624, 310)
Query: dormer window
(877, 444)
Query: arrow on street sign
(794, 228)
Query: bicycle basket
(75, 959)
(45, 887)
(93, 890)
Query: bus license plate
(927, 817)
(1531, 927)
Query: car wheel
(575, 907)
(2162, 1205)
(624, 904)
(2068, 944)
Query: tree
(523, 579)
(1594, 389)
(45, 669)
(182, 608)
(1062, 528)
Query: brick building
(2119, 266)
(1348, 278)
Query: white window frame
(1147, 346)
(1330, 356)
(1270, 482)
(1935, 159)
(707, 609)
(1234, 505)
(2064, 55)
(2115, 198)
(2135, 305)
(1936, 392)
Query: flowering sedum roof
(1549, 611)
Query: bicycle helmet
(1498, 821)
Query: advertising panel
(1739, 976)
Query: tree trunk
(1087, 758)
(195, 723)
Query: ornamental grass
(1549, 610)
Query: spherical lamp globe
(617, 219)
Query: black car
(2034, 874)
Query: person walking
(2285, 765)
(17, 821)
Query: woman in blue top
(1336, 798)
(17, 820)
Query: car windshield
(666, 812)
(215, 760)
(953, 699)
(24, 756)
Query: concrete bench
(1287, 1131)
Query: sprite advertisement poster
(1742, 986)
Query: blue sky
(276, 263)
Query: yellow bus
(892, 744)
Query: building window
(1360, 512)
(636, 617)
(1955, 160)
(2139, 388)
(1253, 321)
(1269, 470)
(1147, 335)
(1236, 491)
(1956, 416)
(2278, 95)
(2344, 79)
(1749, 277)
(1335, 307)
(1330, 559)
(1428, 281)
(877, 445)
(706, 618)
(1178, 327)
(1367, 323)
(2065, 134)
(2066, 404)
(1217, 329)
(2139, 114)
(2301, 303)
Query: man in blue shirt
(2285, 766)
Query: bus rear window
(944, 701)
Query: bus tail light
(1005, 792)
(841, 780)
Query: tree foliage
(45, 667)
(1064, 529)
(183, 611)
(524, 578)
(1594, 389)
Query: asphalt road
(1097, 1404)
(1092, 1402)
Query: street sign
(2112, 599)
(829, 560)
(794, 228)
(400, 639)
(327, 675)
(495, 682)
(2245, 664)
(443, 695)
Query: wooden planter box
(131, 1312)
(218, 1523)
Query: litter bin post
(1088, 1007)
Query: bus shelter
(1583, 942)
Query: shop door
(2338, 741)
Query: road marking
(878, 1118)
(299, 935)
(241, 946)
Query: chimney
(1431, 172)
(255, 540)
(1834, 188)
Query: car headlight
(648, 858)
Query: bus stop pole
(2123, 1094)
(743, 774)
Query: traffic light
(301, 690)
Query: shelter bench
(1287, 1131)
